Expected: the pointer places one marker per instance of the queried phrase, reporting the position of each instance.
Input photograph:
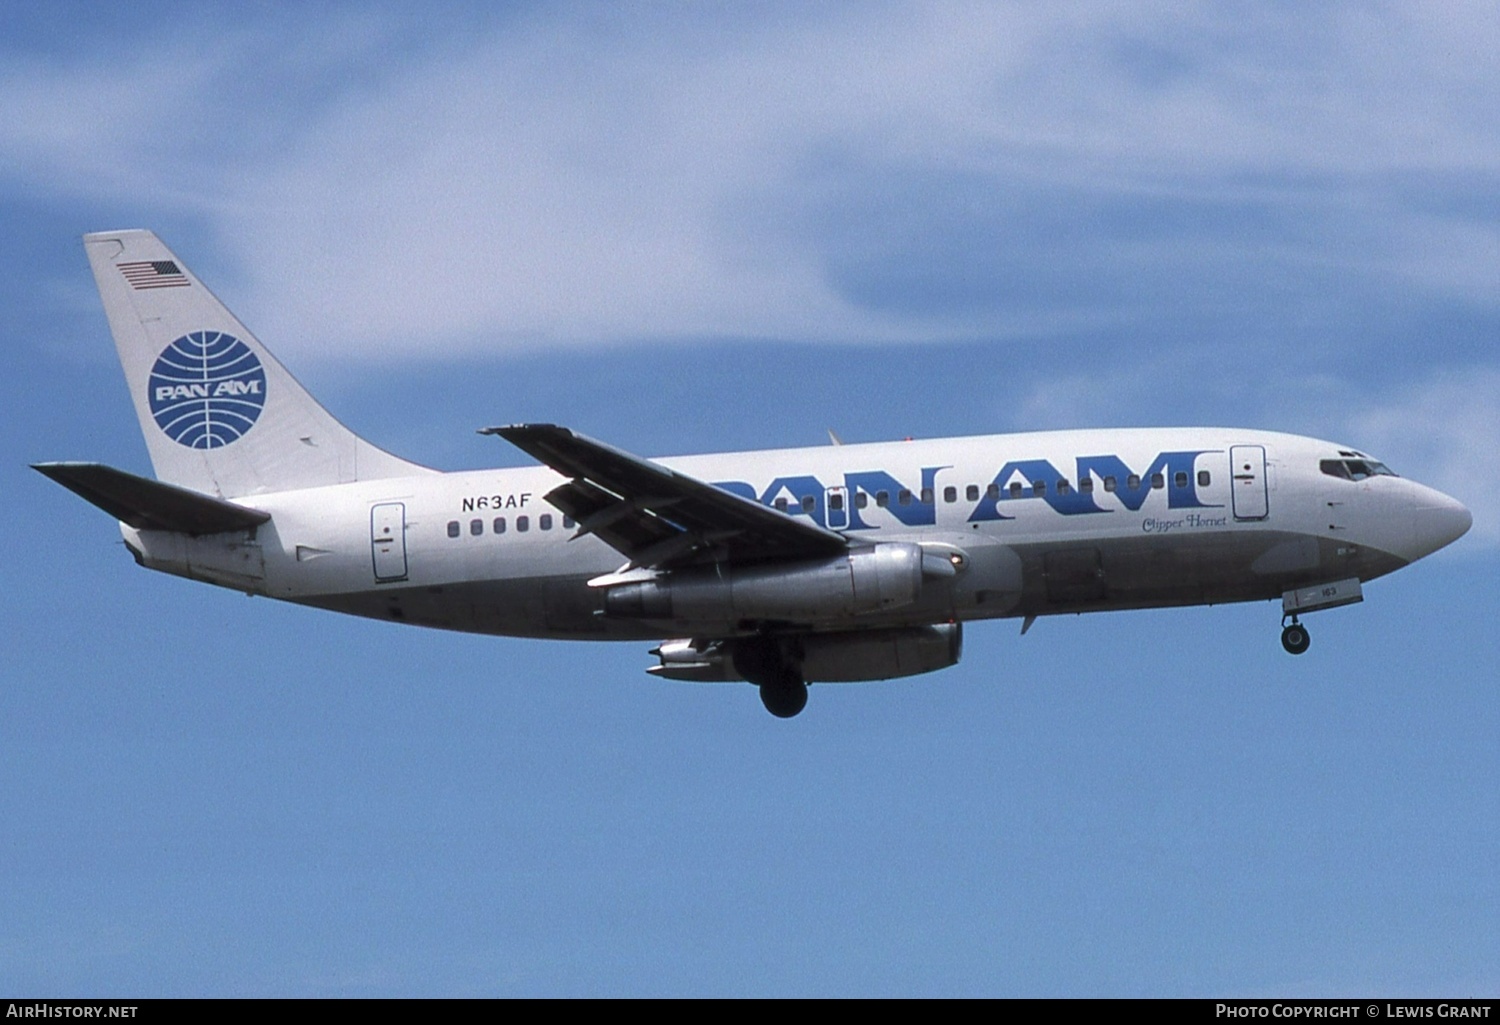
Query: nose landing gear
(1294, 637)
(1309, 599)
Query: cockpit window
(1354, 469)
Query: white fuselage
(1036, 523)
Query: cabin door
(388, 541)
(1247, 471)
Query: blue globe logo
(207, 389)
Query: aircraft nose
(1439, 523)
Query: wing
(658, 517)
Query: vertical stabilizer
(219, 413)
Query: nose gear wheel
(1294, 637)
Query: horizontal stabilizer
(149, 504)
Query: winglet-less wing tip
(508, 431)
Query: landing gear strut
(766, 663)
(1294, 637)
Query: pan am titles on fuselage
(830, 564)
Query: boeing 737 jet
(833, 563)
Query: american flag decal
(153, 274)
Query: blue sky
(695, 228)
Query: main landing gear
(784, 696)
(766, 662)
(1294, 637)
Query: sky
(694, 228)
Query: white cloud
(581, 176)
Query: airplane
(835, 563)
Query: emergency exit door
(836, 507)
(388, 541)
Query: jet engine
(866, 579)
(844, 657)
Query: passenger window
(523, 524)
(781, 505)
(499, 525)
(809, 503)
(992, 491)
(1063, 487)
(544, 521)
(1038, 488)
(1015, 489)
(926, 496)
(1109, 483)
(1086, 485)
(882, 498)
(950, 494)
(1158, 481)
(972, 492)
(453, 528)
(1179, 479)
(476, 527)
(836, 501)
(568, 523)
(1203, 478)
(861, 500)
(1133, 482)
(903, 497)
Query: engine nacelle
(881, 654)
(844, 657)
(870, 579)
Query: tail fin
(220, 414)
